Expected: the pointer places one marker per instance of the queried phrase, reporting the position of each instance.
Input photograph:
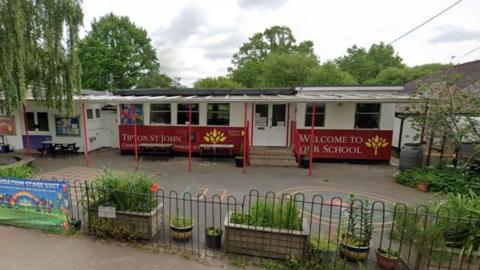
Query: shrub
(441, 179)
(181, 222)
(21, 171)
(124, 191)
(108, 228)
(272, 214)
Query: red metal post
(245, 134)
(85, 136)
(135, 139)
(312, 129)
(189, 137)
(288, 123)
(251, 130)
(27, 135)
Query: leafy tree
(286, 70)
(155, 80)
(248, 61)
(329, 74)
(391, 76)
(216, 82)
(365, 65)
(116, 54)
(444, 109)
(38, 50)
(423, 70)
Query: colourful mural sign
(348, 144)
(178, 136)
(7, 125)
(126, 114)
(35, 204)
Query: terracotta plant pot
(423, 186)
(387, 262)
(354, 253)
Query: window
(367, 115)
(37, 121)
(182, 114)
(42, 119)
(319, 115)
(218, 114)
(67, 126)
(126, 114)
(89, 114)
(97, 113)
(31, 121)
(160, 113)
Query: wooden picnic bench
(53, 148)
(216, 150)
(155, 149)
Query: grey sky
(195, 39)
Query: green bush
(109, 228)
(21, 171)
(125, 191)
(272, 214)
(441, 179)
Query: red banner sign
(7, 125)
(348, 144)
(178, 136)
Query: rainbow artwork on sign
(35, 204)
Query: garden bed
(438, 259)
(128, 225)
(264, 241)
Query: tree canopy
(365, 65)
(329, 74)
(38, 41)
(118, 54)
(217, 82)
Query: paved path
(71, 174)
(24, 249)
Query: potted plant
(305, 159)
(387, 258)
(181, 228)
(239, 157)
(356, 234)
(322, 248)
(423, 186)
(213, 236)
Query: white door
(270, 126)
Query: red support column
(85, 136)
(135, 139)
(288, 124)
(189, 137)
(245, 134)
(251, 129)
(312, 129)
(27, 135)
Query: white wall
(409, 134)
(15, 141)
(341, 115)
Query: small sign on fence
(35, 204)
(106, 212)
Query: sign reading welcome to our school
(178, 136)
(348, 144)
(35, 204)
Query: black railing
(314, 229)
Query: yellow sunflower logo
(376, 143)
(214, 136)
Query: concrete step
(270, 162)
(274, 157)
(271, 150)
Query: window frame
(357, 113)
(36, 123)
(308, 115)
(212, 112)
(169, 112)
(98, 113)
(90, 114)
(197, 112)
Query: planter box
(447, 259)
(147, 225)
(265, 242)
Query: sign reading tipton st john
(178, 136)
(348, 144)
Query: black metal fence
(315, 229)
